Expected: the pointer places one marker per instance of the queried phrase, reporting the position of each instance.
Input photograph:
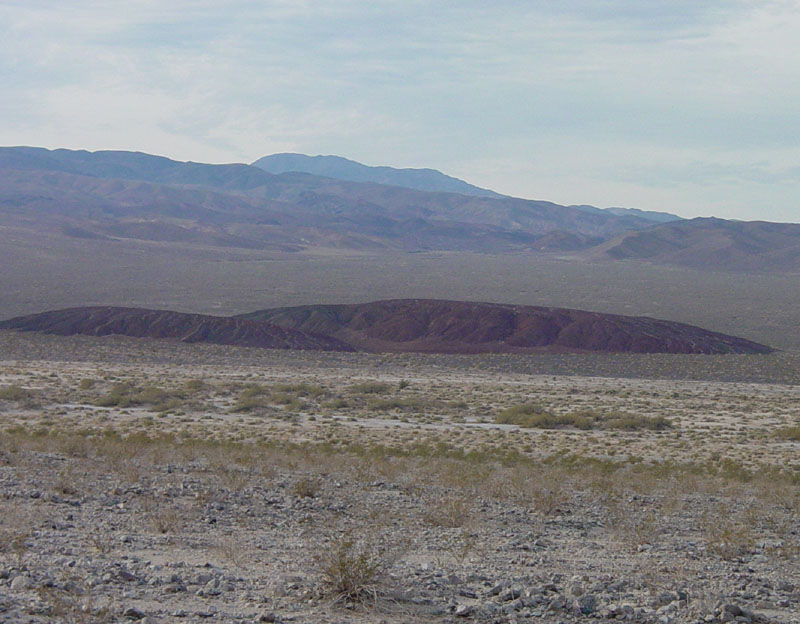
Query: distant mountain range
(112, 195)
(711, 243)
(345, 169)
(650, 215)
(418, 179)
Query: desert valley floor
(163, 482)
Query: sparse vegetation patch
(534, 416)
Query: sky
(672, 105)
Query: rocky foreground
(350, 488)
(112, 534)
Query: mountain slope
(345, 169)
(402, 325)
(112, 196)
(711, 243)
(650, 215)
(438, 326)
(162, 324)
(124, 165)
(418, 179)
(134, 195)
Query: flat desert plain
(163, 482)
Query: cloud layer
(681, 106)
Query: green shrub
(13, 393)
(412, 404)
(632, 422)
(351, 570)
(530, 415)
(127, 395)
(788, 433)
(300, 389)
(252, 397)
(194, 385)
(120, 395)
(370, 387)
(338, 403)
(295, 405)
(306, 487)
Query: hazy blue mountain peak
(341, 168)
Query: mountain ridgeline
(345, 169)
(292, 203)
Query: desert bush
(121, 395)
(288, 395)
(530, 415)
(633, 422)
(71, 603)
(128, 395)
(384, 405)
(67, 482)
(253, 396)
(370, 387)
(247, 404)
(281, 398)
(791, 434)
(727, 534)
(450, 512)
(194, 385)
(462, 546)
(165, 518)
(351, 570)
(295, 405)
(413, 404)
(14, 392)
(338, 403)
(306, 487)
(300, 389)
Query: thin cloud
(556, 99)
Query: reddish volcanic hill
(402, 325)
(104, 321)
(436, 326)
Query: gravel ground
(204, 514)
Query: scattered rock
(132, 613)
(21, 583)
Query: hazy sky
(676, 105)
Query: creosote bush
(531, 416)
(255, 396)
(306, 487)
(450, 512)
(791, 434)
(370, 387)
(351, 570)
(128, 395)
(13, 393)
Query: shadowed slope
(430, 325)
(139, 323)
(710, 243)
